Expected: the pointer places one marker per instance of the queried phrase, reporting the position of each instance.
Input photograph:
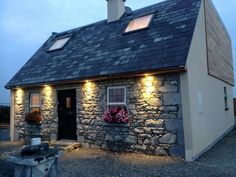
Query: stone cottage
(157, 80)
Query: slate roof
(102, 49)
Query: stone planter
(32, 130)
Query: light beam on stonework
(88, 88)
(19, 95)
(48, 97)
(47, 90)
(148, 83)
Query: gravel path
(220, 161)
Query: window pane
(139, 23)
(68, 102)
(116, 95)
(226, 99)
(35, 99)
(59, 43)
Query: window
(35, 102)
(68, 102)
(59, 43)
(226, 99)
(139, 23)
(116, 95)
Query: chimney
(115, 9)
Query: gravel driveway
(220, 161)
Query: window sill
(105, 124)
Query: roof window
(59, 43)
(139, 23)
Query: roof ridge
(102, 21)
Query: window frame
(116, 103)
(140, 29)
(59, 38)
(226, 99)
(30, 102)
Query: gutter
(102, 77)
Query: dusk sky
(26, 24)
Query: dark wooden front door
(67, 114)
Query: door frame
(57, 110)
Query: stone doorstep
(66, 145)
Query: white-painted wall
(204, 115)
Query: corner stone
(168, 138)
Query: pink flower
(116, 115)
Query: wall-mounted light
(88, 87)
(19, 91)
(19, 98)
(47, 96)
(19, 94)
(47, 90)
(148, 86)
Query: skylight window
(139, 23)
(59, 43)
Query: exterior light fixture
(148, 84)
(88, 88)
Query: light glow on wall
(47, 90)
(88, 89)
(19, 96)
(148, 86)
(19, 99)
(47, 97)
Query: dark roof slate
(102, 49)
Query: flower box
(33, 117)
(116, 115)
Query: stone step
(66, 145)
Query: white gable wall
(204, 115)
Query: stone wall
(20, 104)
(155, 117)
(47, 129)
(154, 106)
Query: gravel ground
(220, 161)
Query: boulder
(168, 138)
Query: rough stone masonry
(155, 116)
